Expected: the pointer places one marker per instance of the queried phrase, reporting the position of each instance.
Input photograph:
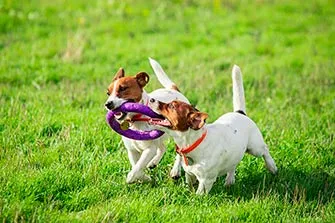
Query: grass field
(60, 162)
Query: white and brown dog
(123, 89)
(212, 150)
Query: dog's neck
(187, 138)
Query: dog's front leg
(160, 152)
(133, 156)
(132, 152)
(137, 172)
(175, 172)
(205, 185)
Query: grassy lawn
(60, 162)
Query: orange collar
(183, 151)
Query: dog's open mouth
(160, 122)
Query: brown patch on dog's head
(128, 88)
(120, 73)
(197, 120)
(182, 116)
(142, 79)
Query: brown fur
(128, 88)
(182, 115)
(174, 87)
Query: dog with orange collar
(212, 150)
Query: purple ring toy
(129, 133)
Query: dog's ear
(197, 120)
(142, 79)
(120, 73)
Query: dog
(148, 153)
(212, 150)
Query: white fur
(238, 90)
(160, 74)
(148, 153)
(115, 99)
(227, 140)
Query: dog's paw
(175, 174)
(200, 192)
(229, 183)
(152, 165)
(133, 177)
(130, 178)
(272, 169)
(230, 180)
(271, 166)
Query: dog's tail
(161, 75)
(238, 90)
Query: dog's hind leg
(257, 147)
(269, 162)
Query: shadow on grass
(290, 184)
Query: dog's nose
(109, 105)
(152, 100)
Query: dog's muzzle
(110, 105)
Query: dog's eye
(123, 88)
(108, 93)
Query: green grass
(59, 161)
